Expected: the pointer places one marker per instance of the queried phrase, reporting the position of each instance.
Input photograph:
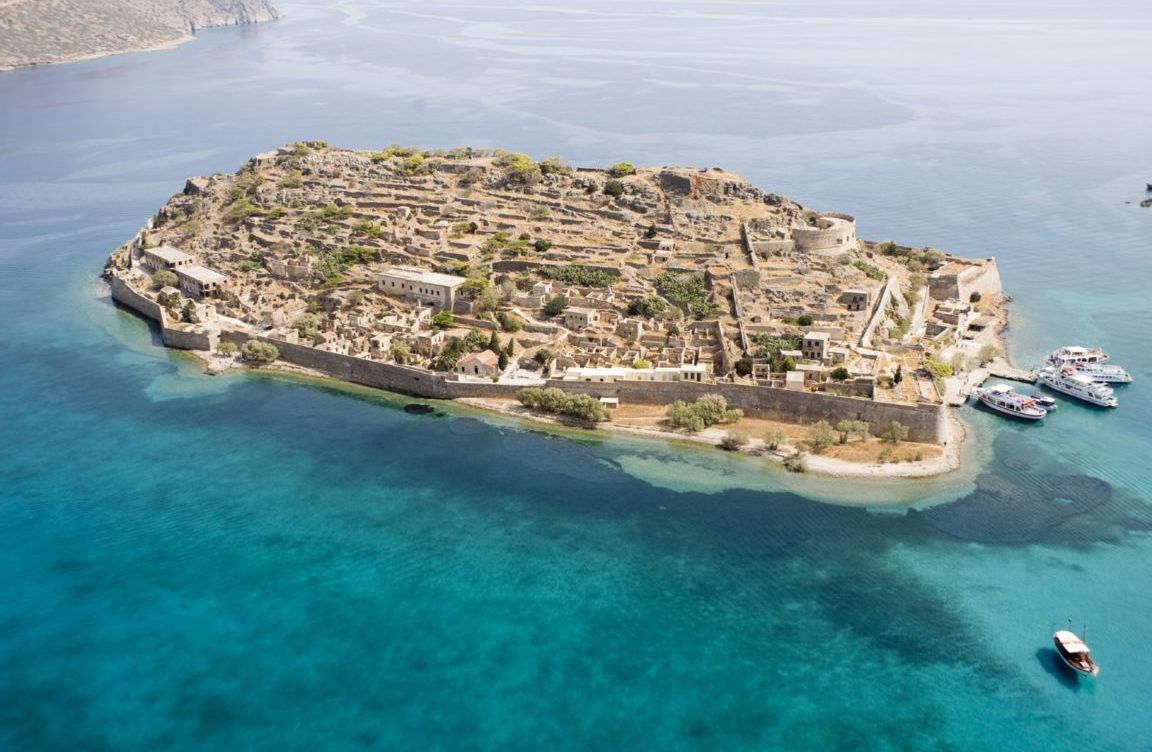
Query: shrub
(804, 320)
(614, 188)
(622, 169)
(850, 429)
(553, 166)
(442, 320)
(773, 438)
(519, 169)
(258, 352)
(552, 400)
(555, 306)
(400, 351)
(797, 462)
(165, 278)
(543, 356)
(896, 432)
(840, 373)
(509, 322)
(227, 349)
(733, 440)
(870, 271)
(307, 326)
(988, 353)
(975, 297)
(647, 307)
(899, 375)
(821, 435)
(581, 276)
(688, 291)
(708, 410)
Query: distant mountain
(40, 32)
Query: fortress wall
(175, 338)
(834, 234)
(389, 376)
(923, 421)
(984, 279)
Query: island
(42, 32)
(668, 301)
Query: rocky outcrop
(41, 32)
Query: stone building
(165, 257)
(485, 364)
(814, 346)
(429, 287)
(199, 281)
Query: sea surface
(252, 562)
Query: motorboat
(1107, 373)
(1044, 401)
(1075, 384)
(1003, 398)
(1075, 355)
(1074, 652)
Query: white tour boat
(1105, 372)
(1005, 399)
(1074, 355)
(1074, 652)
(1075, 384)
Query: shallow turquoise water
(246, 562)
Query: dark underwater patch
(1002, 510)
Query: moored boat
(1105, 372)
(1044, 401)
(1075, 384)
(1074, 652)
(1004, 399)
(1077, 355)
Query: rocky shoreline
(77, 30)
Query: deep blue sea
(257, 563)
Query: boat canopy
(1071, 642)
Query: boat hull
(1110, 402)
(1089, 669)
(1011, 413)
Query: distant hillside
(39, 32)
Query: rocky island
(665, 300)
(40, 32)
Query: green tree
(804, 320)
(988, 353)
(307, 325)
(400, 351)
(614, 188)
(260, 353)
(821, 435)
(543, 356)
(165, 278)
(555, 306)
(899, 375)
(442, 320)
(850, 429)
(840, 373)
(502, 360)
(227, 349)
(494, 343)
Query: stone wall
(179, 339)
(982, 277)
(923, 421)
(832, 234)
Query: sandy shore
(948, 461)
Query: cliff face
(39, 32)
